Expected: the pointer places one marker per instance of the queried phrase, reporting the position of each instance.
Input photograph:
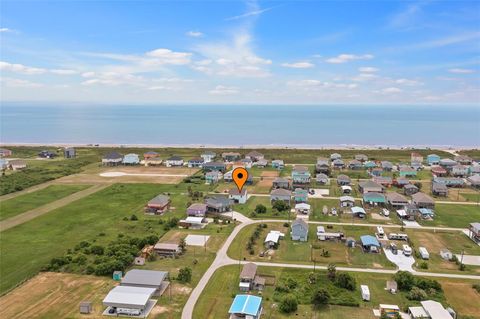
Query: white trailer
(395, 236)
(380, 232)
(407, 251)
(129, 311)
(423, 252)
(365, 292)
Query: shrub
(320, 297)
(280, 205)
(346, 281)
(405, 280)
(97, 250)
(288, 304)
(424, 265)
(133, 217)
(331, 271)
(417, 294)
(476, 287)
(185, 275)
(260, 209)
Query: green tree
(331, 271)
(280, 205)
(260, 209)
(288, 304)
(346, 281)
(320, 297)
(182, 244)
(417, 294)
(185, 275)
(405, 280)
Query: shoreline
(251, 146)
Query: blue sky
(288, 52)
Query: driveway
(403, 262)
(470, 259)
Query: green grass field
(23, 203)
(29, 246)
(454, 215)
(218, 296)
(305, 252)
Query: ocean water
(242, 125)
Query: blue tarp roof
(368, 240)
(246, 304)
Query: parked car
(386, 212)
(393, 248)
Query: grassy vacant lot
(454, 215)
(23, 203)
(456, 242)
(304, 252)
(28, 247)
(218, 296)
(247, 208)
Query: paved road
(222, 260)
(31, 214)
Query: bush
(133, 217)
(288, 304)
(424, 265)
(320, 297)
(97, 250)
(476, 287)
(405, 280)
(185, 275)
(346, 281)
(417, 294)
(280, 205)
(260, 209)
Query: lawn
(290, 251)
(218, 295)
(249, 207)
(454, 241)
(28, 247)
(454, 215)
(23, 203)
(471, 197)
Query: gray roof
(144, 277)
(218, 201)
(396, 197)
(159, 200)
(439, 187)
(249, 271)
(113, 155)
(281, 192)
(343, 178)
(300, 221)
(422, 198)
(254, 154)
(370, 184)
(280, 180)
(175, 158)
(410, 186)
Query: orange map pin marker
(240, 176)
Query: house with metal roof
(238, 197)
(112, 159)
(230, 156)
(395, 199)
(429, 309)
(278, 164)
(299, 230)
(218, 203)
(474, 180)
(255, 156)
(197, 210)
(174, 161)
(129, 301)
(131, 159)
(302, 208)
(338, 163)
(280, 194)
(246, 307)
(322, 179)
(359, 211)
(158, 205)
(273, 238)
(347, 201)
(422, 200)
(439, 189)
(343, 180)
(355, 164)
(335, 156)
(195, 162)
(407, 171)
(370, 186)
(433, 159)
(16, 165)
(300, 176)
(146, 279)
(370, 243)
(214, 166)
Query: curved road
(222, 259)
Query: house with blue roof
(246, 306)
(374, 199)
(131, 159)
(370, 243)
(433, 159)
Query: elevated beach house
(299, 230)
(300, 176)
(230, 156)
(278, 164)
(322, 179)
(374, 199)
(197, 210)
(208, 156)
(131, 159)
(407, 171)
(112, 159)
(338, 164)
(150, 154)
(386, 166)
(213, 177)
(322, 166)
(280, 182)
(280, 194)
(195, 162)
(439, 189)
(158, 205)
(255, 156)
(238, 197)
(361, 157)
(433, 159)
(410, 189)
(300, 195)
(355, 165)
(5, 152)
(343, 180)
(370, 186)
(246, 307)
(416, 157)
(422, 200)
(396, 200)
(347, 201)
(174, 161)
(214, 166)
(460, 170)
(335, 156)
(249, 280)
(218, 203)
(439, 171)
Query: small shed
(391, 286)
(86, 307)
(350, 242)
(69, 152)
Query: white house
(273, 238)
(174, 161)
(302, 208)
(238, 197)
(208, 156)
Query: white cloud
(408, 82)
(461, 71)
(223, 90)
(5, 30)
(20, 68)
(255, 11)
(194, 34)
(343, 58)
(362, 77)
(63, 71)
(368, 69)
(166, 56)
(112, 79)
(19, 83)
(391, 90)
(315, 84)
(299, 65)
